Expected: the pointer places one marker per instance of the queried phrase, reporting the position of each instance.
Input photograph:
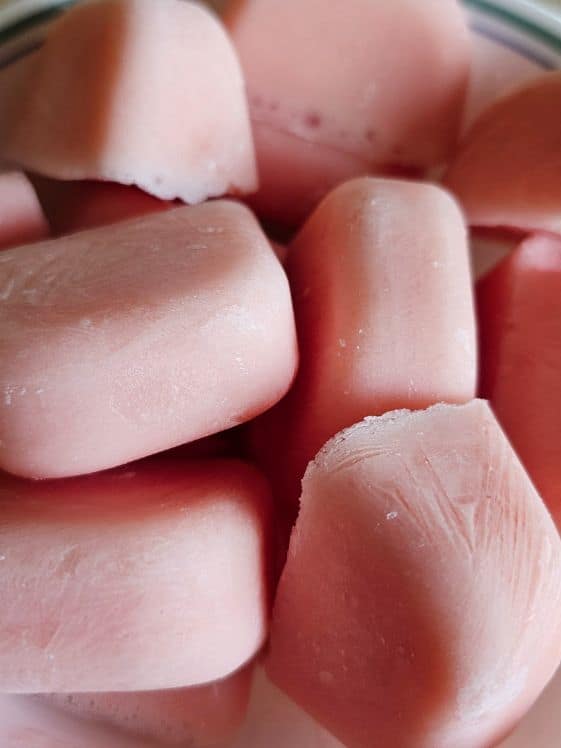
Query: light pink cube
(133, 91)
(130, 339)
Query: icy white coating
(423, 543)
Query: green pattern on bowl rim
(23, 25)
(522, 26)
(528, 29)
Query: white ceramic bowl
(524, 29)
(514, 41)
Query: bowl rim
(525, 16)
(543, 24)
(14, 12)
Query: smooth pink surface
(148, 577)
(520, 322)
(295, 174)
(133, 91)
(198, 717)
(419, 606)
(131, 339)
(341, 88)
(496, 70)
(26, 723)
(506, 172)
(382, 291)
(21, 217)
(76, 206)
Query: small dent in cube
(313, 120)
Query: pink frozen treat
(506, 172)
(21, 217)
(76, 206)
(130, 339)
(199, 717)
(152, 576)
(340, 88)
(520, 320)
(27, 723)
(382, 290)
(419, 606)
(133, 91)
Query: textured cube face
(520, 324)
(419, 602)
(154, 96)
(328, 91)
(134, 338)
(200, 716)
(506, 172)
(371, 272)
(149, 577)
(24, 721)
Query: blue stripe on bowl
(25, 35)
(542, 58)
(33, 19)
(535, 35)
(532, 18)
